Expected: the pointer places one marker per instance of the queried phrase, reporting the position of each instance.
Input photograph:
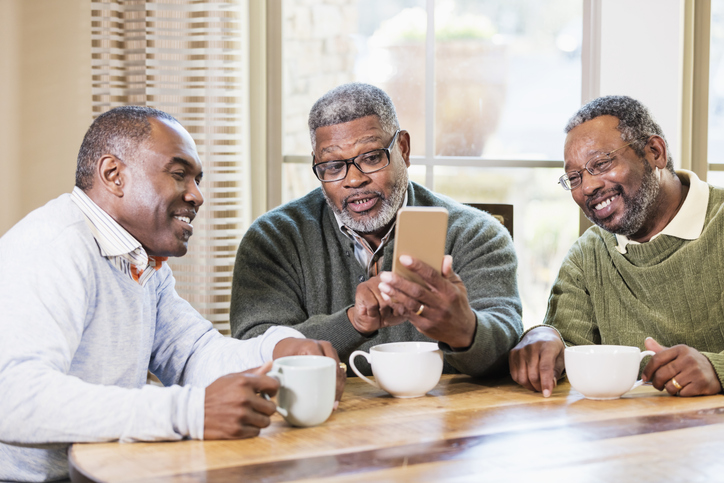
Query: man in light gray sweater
(88, 306)
(321, 264)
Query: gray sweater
(78, 337)
(294, 267)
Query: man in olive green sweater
(651, 274)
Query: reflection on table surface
(463, 430)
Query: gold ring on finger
(678, 386)
(419, 311)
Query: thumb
(652, 345)
(261, 370)
(447, 270)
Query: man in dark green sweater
(321, 264)
(650, 274)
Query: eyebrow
(364, 140)
(184, 162)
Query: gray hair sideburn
(634, 122)
(350, 102)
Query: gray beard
(387, 212)
(638, 207)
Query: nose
(590, 183)
(193, 194)
(355, 178)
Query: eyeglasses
(596, 165)
(367, 163)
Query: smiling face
(622, 200)
(161, 190)
(367, 203)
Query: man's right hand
(370, 311)
(537, 362)
(234, 408)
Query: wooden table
(463, 430)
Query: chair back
(501, 212)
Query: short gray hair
(349, 102)
(634, 122)
(119, 132)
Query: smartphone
(420, 232)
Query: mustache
(379, 194)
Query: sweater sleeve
(485, 260)
(47, 310)
(570, 309)
(267, 293)
(188, 350)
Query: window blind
(187, 58)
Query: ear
(404, 142)
(110, 174)
(657, 146)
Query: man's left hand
(292, 346)
(440, 309)
(691, 370)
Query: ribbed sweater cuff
(717, 361)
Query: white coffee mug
(403, 369)
(307, 388)
(603, 371)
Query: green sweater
(668, 288)
(294, 267)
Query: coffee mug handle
(354, 368)
(279, 377)
(640, 381)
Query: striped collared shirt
(115, 243)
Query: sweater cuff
(717, 361)
(194, 409)
(271, 338)
(543, 325)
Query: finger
(425, 271)
(519, 370)
(328, 350)
(261, 370)
(261, 383)
(653, 370)
(651, 345)
(549, 372)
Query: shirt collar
(689, 221)
(112, 238)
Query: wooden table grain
(463, 430)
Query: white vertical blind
(187, 58)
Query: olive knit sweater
(668, 288)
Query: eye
(573, 178)
(371, 158)
(331, 167)
(179, 175)
(601, 164)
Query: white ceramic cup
(603, 371)
(403, 369)
(307, 388)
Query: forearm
(44, 406)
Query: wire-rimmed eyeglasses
(597, 165)
(367, 163)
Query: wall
(45, 100)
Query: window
(485, 89)
(716, 95)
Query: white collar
(689, 221)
